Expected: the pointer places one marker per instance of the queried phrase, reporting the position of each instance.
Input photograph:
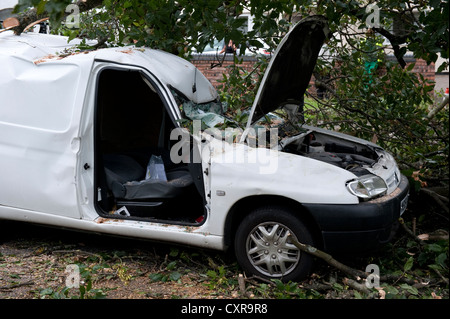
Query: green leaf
(171, 265)
(211, 274)
(410, 289)
(89, 285)
(440, 260)
(391, 290)
(46, 291)
(409, 263)
(173, 252)
(434, 247)
(410, 67)
(73, 35)
(40, 8)
(174, 276)
(357, 295)
(279, 284)
(155, 277)
(82, 290)
(338, 287)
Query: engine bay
(345, 154)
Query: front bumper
(360, 227)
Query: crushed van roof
(39, 48)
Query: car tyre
(263, 247)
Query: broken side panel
(37, 137)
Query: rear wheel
(264, 248)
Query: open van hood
(290, 68)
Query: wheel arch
(246, 205)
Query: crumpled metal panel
(37, 96)
(43, 85)
(39, 107)
(168, 68)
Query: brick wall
(215, 74)
(204, 63)
(428, 71)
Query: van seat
(125, 178)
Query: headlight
(367, 186)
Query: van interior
(132, 126)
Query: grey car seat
(125, 178)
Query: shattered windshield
(211, 114)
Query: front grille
(393, 180)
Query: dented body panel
(46, 134)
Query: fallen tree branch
(436, 235)
(317, 286)
(355, 273)
(442, 201)
(9, 24)
(357, 286)
(434, 111)
(409, 231)
(34, 23)
(395, 41)
(440, 275)
(396, 278)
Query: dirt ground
(34, 260)
(35, 263)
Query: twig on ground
(409, 231)
(77, 251)
(242, 288)
(27, 283)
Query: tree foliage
(421, 27)
(388, 105)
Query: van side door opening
(131, 125)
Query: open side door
(132, 122)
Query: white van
(78, 130)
